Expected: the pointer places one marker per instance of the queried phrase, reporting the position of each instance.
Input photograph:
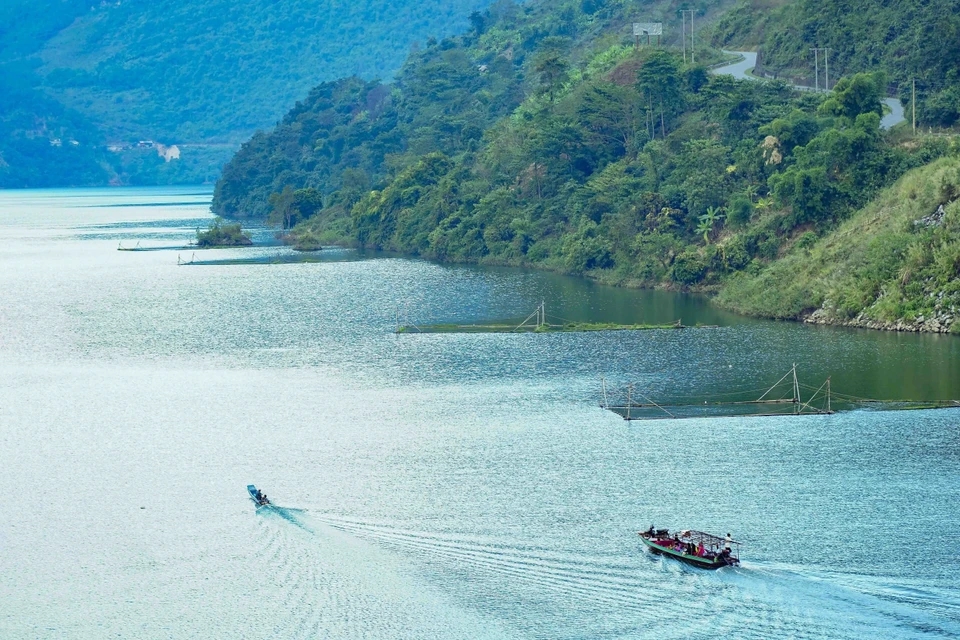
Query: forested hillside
(205, 74)
(31, 125)
(893, 264)
(543, 137)
(908, 39)
(443, 100)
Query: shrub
(223, 234)
(688, 268)
(738, 213)
(735, 256)
(807, 240)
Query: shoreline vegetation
(544, 138)
(223, 234)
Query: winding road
(740, 69)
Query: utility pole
(692, 58)
(826, 62)
(683, 35)
(913, 105)
(692, 49)
(816, 67)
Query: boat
(696, 548)
(257, 496)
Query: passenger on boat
(259, 496)
(700, 549)
(726, 544)
(651, 531)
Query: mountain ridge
(183, 71)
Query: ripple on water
(445, 486)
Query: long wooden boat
(258, 498)
(696, 548)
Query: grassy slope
(877, 268)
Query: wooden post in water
(796, 389)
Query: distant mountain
(205, 73)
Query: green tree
(859, 94)
(552, 72)
(282, 210)
(477, 23)
(808, 191)
(613, 113)
(660, 82)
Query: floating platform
(536, 322)
(783, 398)
(570, 327)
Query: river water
(433, 486)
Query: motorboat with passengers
(693, 547)
(257, 496)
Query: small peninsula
(223, 234)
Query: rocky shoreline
(939, 322)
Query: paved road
(739, 70)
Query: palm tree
(708, 220)
(763, 203)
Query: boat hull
(696, 561)
(252, 490)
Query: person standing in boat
(727, 542)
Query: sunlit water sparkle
(432, 486)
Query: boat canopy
(709, 540)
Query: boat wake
(324, 583)
(858, 604)
(584, 594)
(636, 594)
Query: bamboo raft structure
(536, 322)
(633, 403)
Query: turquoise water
(433, 486)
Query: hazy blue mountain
(205, 74)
